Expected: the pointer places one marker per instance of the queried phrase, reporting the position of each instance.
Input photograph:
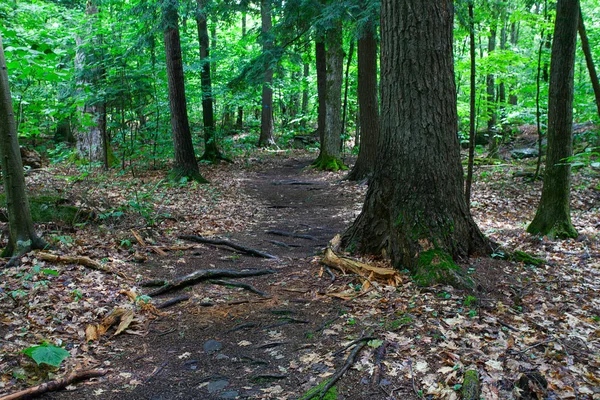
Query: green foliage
(332, 394)
(47, 354)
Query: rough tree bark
(553, 216)
(22, 236)
(585, 45)
(472, 109)
(330, 155)
(368, 104)
(185, 157)
(415, 210)
(91, 134)
(266, 119)
(211, 151)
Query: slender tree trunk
(239, 123)
(22, 236)
(211, 151)
(415, 210)
(321, 67)
(553, 216)
(514, 39)
(472, 110)
(266, 119)
(345, 104)
(185, 158)
(491, 98)
(330, 155)
(585, 45)
(91, 137)
(304, 106)
(368, 105)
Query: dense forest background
(123, 69)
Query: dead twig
(363, 339)
(156, 371)
(80, 260)
(223, 242)
(412, 378)
(55, 385)
(205, 274)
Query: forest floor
(521, 323)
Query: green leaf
(47, 354)
(375, 343)
(48, 271)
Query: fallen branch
(338, 374)
(80, 260)
(205, 274)
(363, 339)
(290, 234)
(238, 284)
(345, 265)
(55, 385)
(242, 326)
(223, 242)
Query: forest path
(228, 343)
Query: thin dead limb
(205, 274)
(242, 326)
(352, 343)
(412, 378)
(156, 371)
(223, 242)
(238, 284)
(80, 260)
(338, 374)
(290, 234)
(55, 385)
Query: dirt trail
(245, 345)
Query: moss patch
(436, 266)
(315, 393)
(470, 389)
(329, 163)
(51, 209)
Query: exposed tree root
(290, 234)
(172, 302)
(80, 260)
(223, 242)
(55, 385)
(238, 284)
(202, 275)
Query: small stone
(230, 395)
(212, 345)
(216, 386)
(222, 356)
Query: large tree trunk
(266, 119)
(415, 210)
(321, 67)
(185, 158)
(22, 236)
(330, 155)
(553, 214)
(211, 151)
(368, 105)
(585, 45)
(91, 133)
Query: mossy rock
(436, 266)
(521, 256)
(51, 209)
(470, 388)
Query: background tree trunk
(472, 109)
(185, 158)
(553, 217)
(211, 151)
(321, 67)
(330, 155)
(585, 45)
(415, 209)
(368, 105)
(91, 139)
(266, 119)
(22, 236)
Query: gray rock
(230, 395)
(527, 152)
(216, 386)
(212, 345)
